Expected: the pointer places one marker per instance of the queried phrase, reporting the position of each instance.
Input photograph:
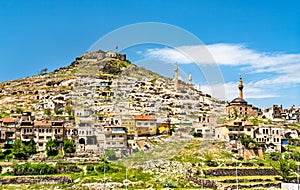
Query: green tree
(110, 154)
(69, 146)
(19, 110)
(47, 112)
(69, 109)
(255, 121)
(59, 112)
(19, 149)
(31, 148)
(284, 167)
(247, 140)
(52, 148)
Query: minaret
(176, 78)
(190, 79)
(241, 86)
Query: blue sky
(258, 39)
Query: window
(41, 137)
(113, 143)
(108, 143)
(151, 123)
(121, 143)
(121, 136)
(248, 129)
(138, 123)
(40, 144)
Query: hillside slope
(109, 85)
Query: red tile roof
(8, 120)
(144, 117)
(42, 123)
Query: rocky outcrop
(253, 153)
(37, 180)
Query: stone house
(116, 138)
(275, 112)
(8, 131)
(145, 125)
(129, 123)
(270, 136)
(42, 132)
(231, 130)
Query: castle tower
(241, 86)
(190, 79)
(176, 78)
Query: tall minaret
(176, 78)
(190, 79)
(241, 86)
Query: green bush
(169, 183)
(43, 169)
(101, 167)
(33, 169)
(90, 168)
(296, 156)
(2, 155)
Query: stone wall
(241, 172)
(36, 180)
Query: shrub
(169, 183)
(33, 169)
(275, 156)
(101, 167)
(90, 168)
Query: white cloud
(231, 91)
(285, 68)
(281, 69)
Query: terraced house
(145, 125)
(8, 131)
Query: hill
(107, 82)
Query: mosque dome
(239, 101)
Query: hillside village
(103, 106)
(102, 101)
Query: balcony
(29, 134)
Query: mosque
(240, 107)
